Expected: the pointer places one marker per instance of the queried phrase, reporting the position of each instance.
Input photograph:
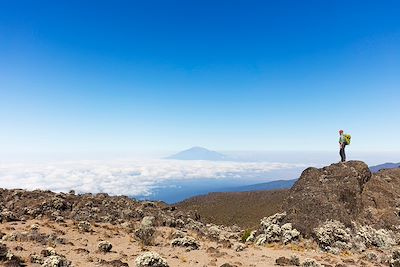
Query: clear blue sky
(78, 76)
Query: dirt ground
(81, 248)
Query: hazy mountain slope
(242, 208)
(388, 165)
(198, 153)
(273, 185)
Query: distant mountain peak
(387, 165)
(199, 153)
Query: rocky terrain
(340, 215)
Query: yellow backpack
(347, 139)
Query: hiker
(342, 145)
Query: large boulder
(329, 193)
(381, 200)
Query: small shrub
(145, 235)
(246, 234)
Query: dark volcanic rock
(381, 199)
(332, 192)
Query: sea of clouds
(124, 177)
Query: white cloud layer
(125, 177)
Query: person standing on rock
(342, 145)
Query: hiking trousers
(342, 153)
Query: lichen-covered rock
(187, 242)
(150, 259)
(104, 246)
(56, 261)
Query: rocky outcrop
(381, 199)
(348, 193)
(333, 192)
(86, 209)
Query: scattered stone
(59, 219)
(228, 265)
(19, 248)
(35, 227)
(283, 261)
(310, 263)
(104, 246)
(395, 260)
(82, 251)
(3, 252)
(113, 263)
(84, 226)
(187, 242)
(239, 247)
